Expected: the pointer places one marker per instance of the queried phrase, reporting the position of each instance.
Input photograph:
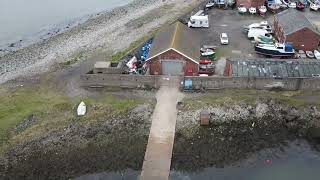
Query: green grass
(251, 96)
(52, 111)
(16, 106)
(74, 58)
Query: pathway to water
(158, 155)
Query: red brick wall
(278, 31)
(304, 39)
(191, 68)
(250, 3)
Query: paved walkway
(157, 160)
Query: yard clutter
(136, 64)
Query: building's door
(172, 67)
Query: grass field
(52, 110)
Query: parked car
(224, 39)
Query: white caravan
(199, 21)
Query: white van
(199, 21)
(253, 33)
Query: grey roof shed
(292, 20)
(179, 38)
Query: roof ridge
(173, 42)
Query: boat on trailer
(275, 50)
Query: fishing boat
(275, 50)
(242, 9)
(316, 54)
(210, 4)
(265, 39)
(262, 25)
(314, 7)
(310, 54)
(208, 54)
(252, 10)
(262, 11)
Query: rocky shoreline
(109, 31)
(239, 130)
(113, 144)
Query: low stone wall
(255, 83)
(119, 80)
(146, 82)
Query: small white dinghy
(242, 9)
(252, 10)
(314, 7)
(316, 54)
(82, 109)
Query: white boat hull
(82, 109)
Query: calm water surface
(298, 161)
(22, 18)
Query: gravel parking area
(230, 22)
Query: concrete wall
(119, 80)
(145, 82)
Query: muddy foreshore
(238, 131)
(106, 145)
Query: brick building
(251, 3)
(175, 51)
(293, 27)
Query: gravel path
(111, 30)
